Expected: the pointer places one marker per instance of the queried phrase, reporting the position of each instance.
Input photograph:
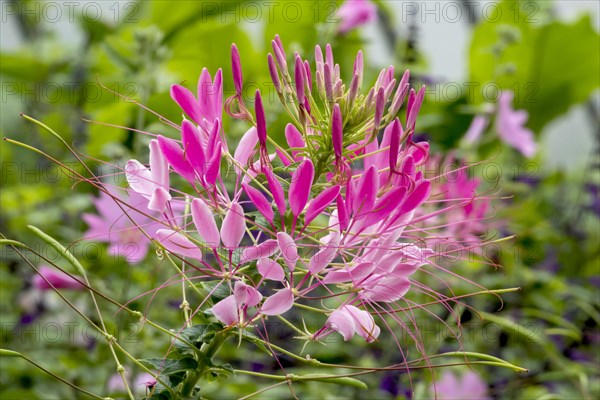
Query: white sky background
(444, 42)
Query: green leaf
(169, 366)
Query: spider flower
(469, 386)
(355, 13)
(326, 213)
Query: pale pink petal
(265, 249)
(158, 201)
(226, 310)
(159, 168)
(365, 325)
(139, 177)
(176, 243)
(245, 149)
(246, 295)
(289, 249)
(322, 259)
(341, 321)
(278, 303)
(354, 274)
(300, 186)
(204, 221)
(234, 226)
(270, 269)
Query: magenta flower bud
(389, 88)
(308, 75)
(299, 78)
(274, 73)
(353, 91)
(395, 143)
(329, 56)
(379, 104)
(359, 67)
(328, 82)
(318, 55)
(399, 97)
(370, 96)
(337, 131)
(415, 106)
(279, 56)
(261, 124)
(236, 67)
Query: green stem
(204, 364)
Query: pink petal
(276, 191)
(206, 96)
(260, 201)
(278, 303)
(416, 197)
(205, 223)
(176, 158)
(319, 203)
(246, 295)
(364, 199)
(245, 149)
(300, 187)
(341, 321)
(57, 278)
(176, 243)
(213, 168)
(158, 201)
(226, 310)
(159, 168)
(233, 227)
(365, 326)
(386, 288)
(270, 269)
(186, 100)
(265, 249)
(193, 148)
(289, 250)
(354, 274)
(319, 261)
(294, 139)
(139, 177)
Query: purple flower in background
(510, 125)
(57, 278)
(468, 387)
(122, 231)
(355, 13)
(476, 128)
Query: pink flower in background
(468, 387)
(355, 13)
(476, 128)
(510, 125)
(122, 231)
(57, 278)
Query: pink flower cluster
(321, 216)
